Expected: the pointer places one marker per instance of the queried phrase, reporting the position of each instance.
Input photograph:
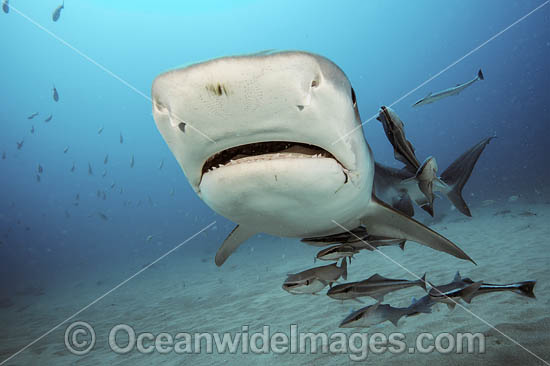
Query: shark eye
(353, 98)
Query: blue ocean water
(102, 57)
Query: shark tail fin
(526, 289)
(458, 173)
(382, 220)
(238, 236)
(344, 268)
(480, 75)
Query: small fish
(132, 162)
(336, 252)
(121, 138)
(106, 160)
(57, 12)
(32, 115)
(40, 169)
(65, 150)
(48, 119)
(3, 155)
(112, 185)
(375, 286)
(430, 98)
(452, 292)
(103, 216)
(100, 130)
(486, 203)
(104, 173)
(379, 313)
(6, 6)
(315, 279)
(161, 164)
(98, 193)
(103, 195)
(32, 129)
(73, 168)
(120, 190)
(90, 172)
(38, 178)
(55, 95)
(20, 144)
(77, 197)
(149, 237)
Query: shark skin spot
(181, 126)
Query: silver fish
(379, 313)
(40, 169)
(48, 119)
(132, 162)
(315, 279)
(90, 172)
(337, 252)
(375, 286)
(74, 167)
(100, 130)
(121, 138)
(65, 150)
(32, 129)
(32, 115)
(20, 144)
(106, 160)
(6, 6)
(430, 98)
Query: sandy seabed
(508, 240)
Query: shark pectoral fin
(238, 236)
(380, 219)
(469, 292)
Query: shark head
(267, 140)
(274, 143)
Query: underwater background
(72, 236)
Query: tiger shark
(271, 162)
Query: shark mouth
(264, 151)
